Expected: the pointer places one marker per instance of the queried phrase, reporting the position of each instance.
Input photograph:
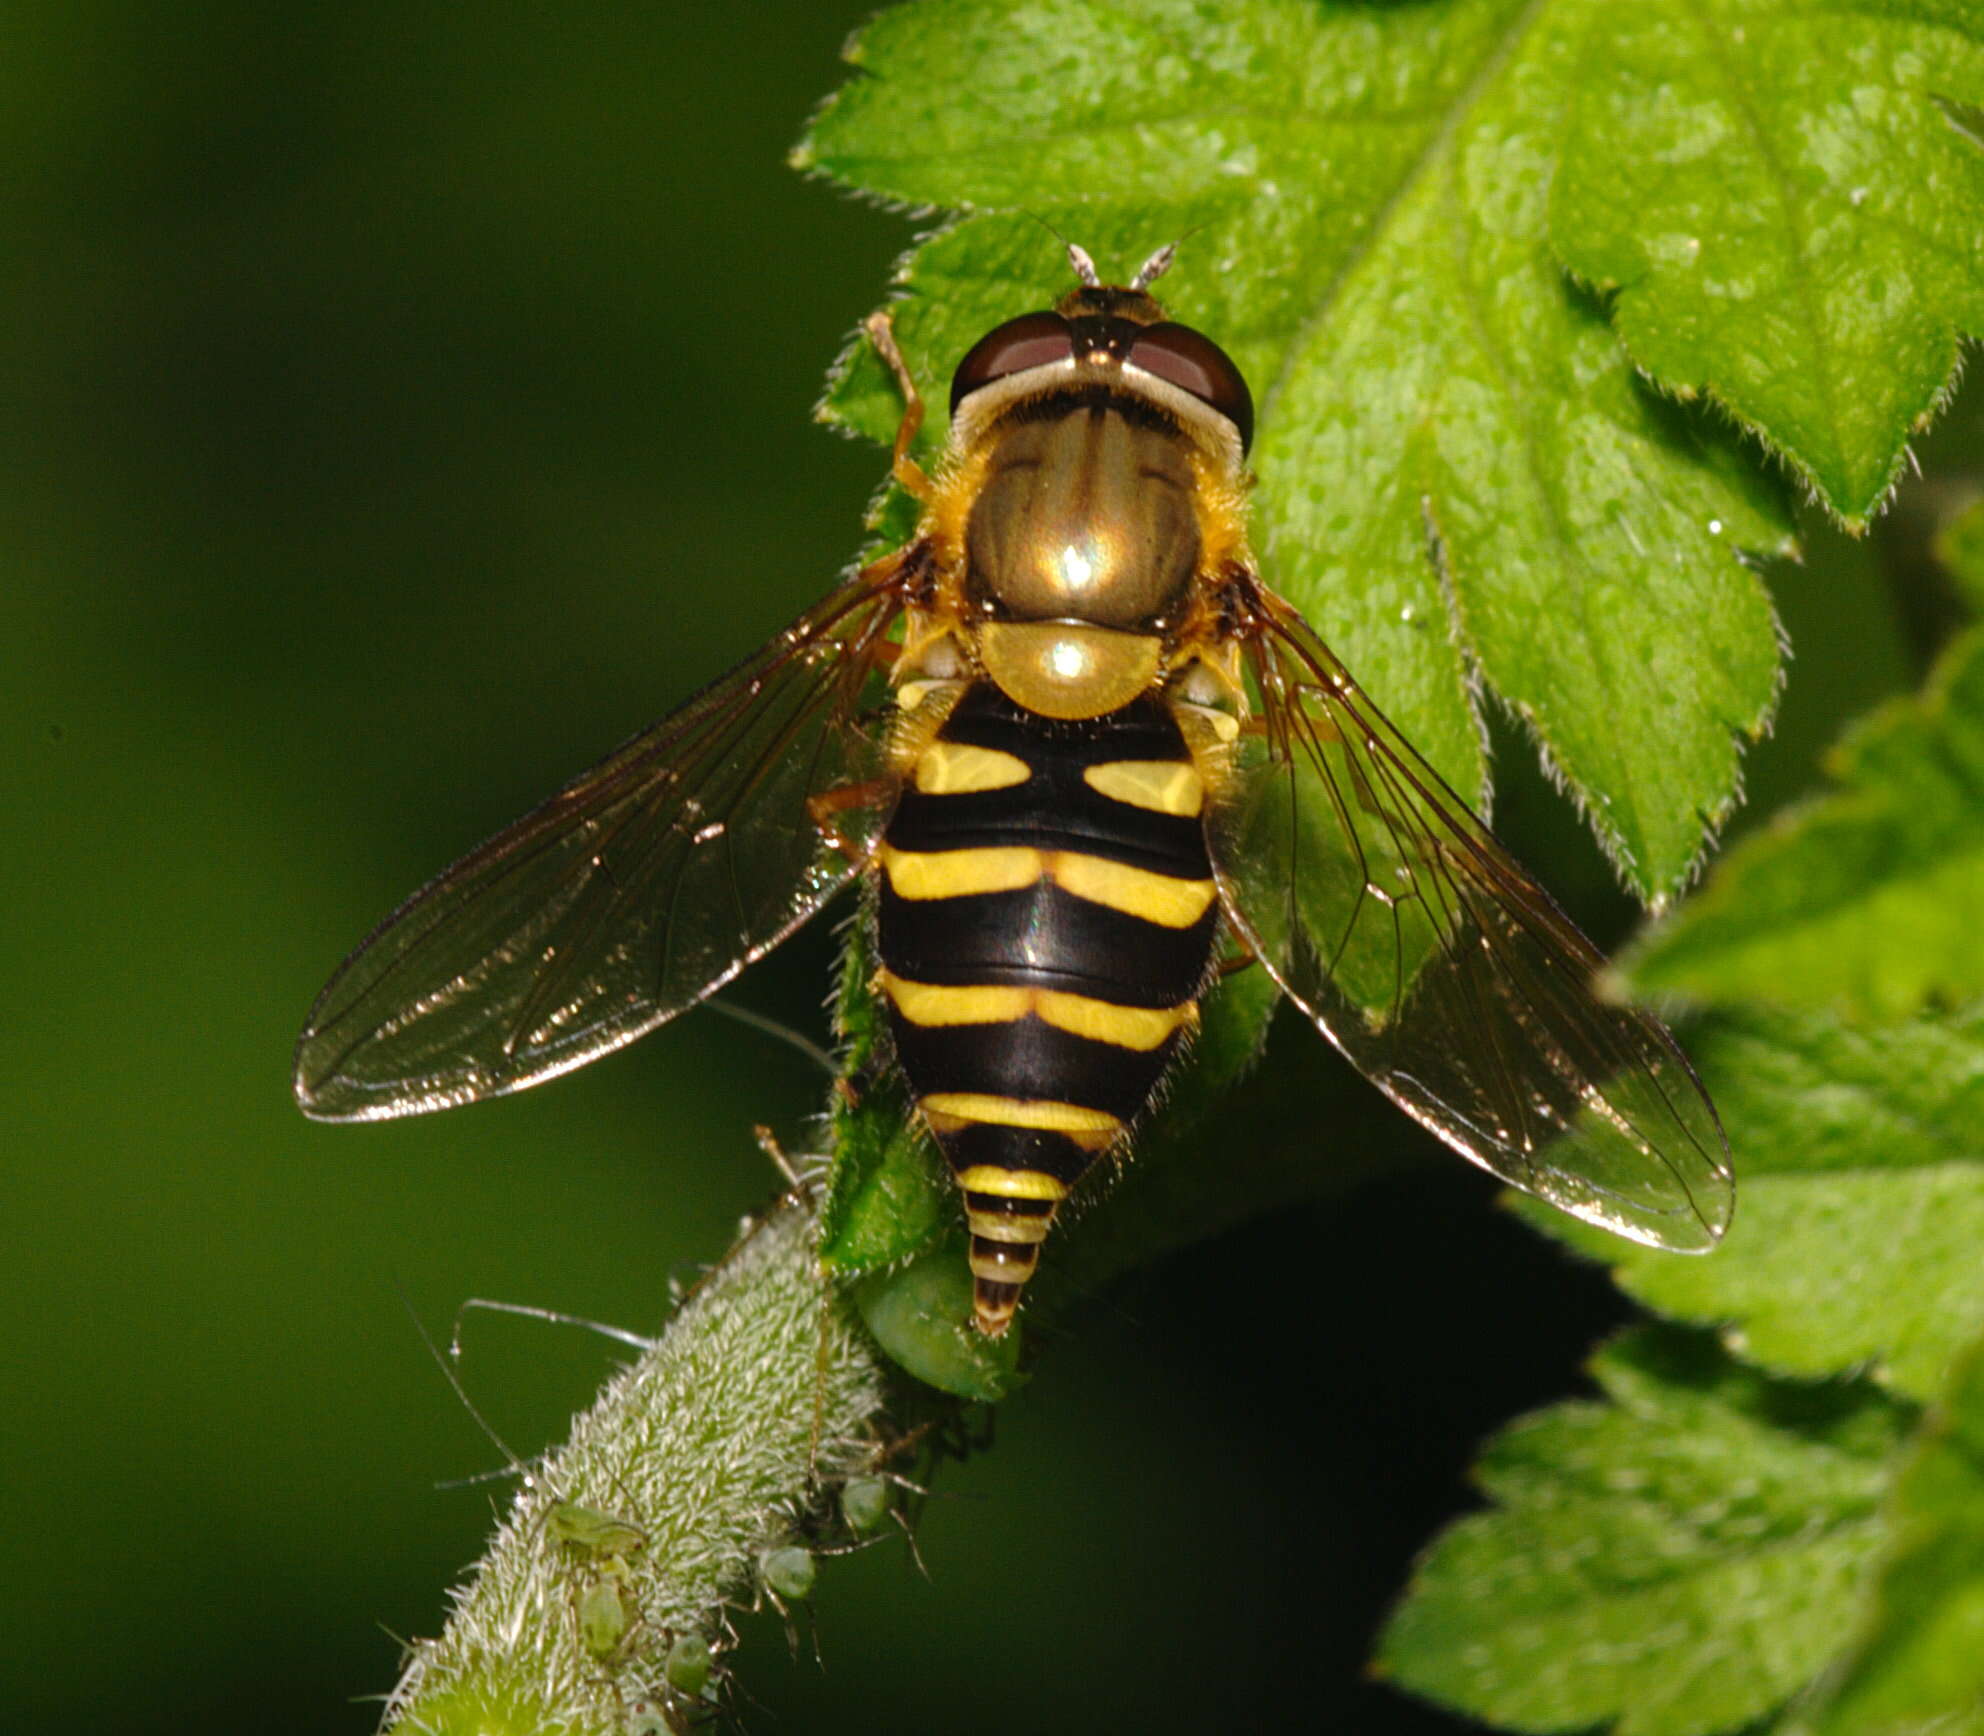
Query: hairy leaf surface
(1786, 199)
(1679, 1559)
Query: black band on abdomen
(1027, 1058)
(1043, 937)
(1056, 808)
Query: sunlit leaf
(1860, 1205)
(1461, 475)
(1679, 1559)
(1786, 200)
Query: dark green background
(401, 404)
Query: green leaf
(1860, 1197)
(1873, 896)
(1787, 204)
(1462, 479)
(1959, 546)
(890, 1219)
(887, 1196)
(921, 1315)
(1918, 1665)
(1679, 1560)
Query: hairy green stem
(698, 1478)
(704, 1474)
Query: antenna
(452, 1376)
(1156, 265)
(1084, 266)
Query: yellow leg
(823, 806)
(881, 333)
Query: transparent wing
(627, 897)
(1444, 973)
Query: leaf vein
(1496, 57)
(1738, 96)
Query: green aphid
(593, 1534)
(687, 1665)
(604, 1545)
(788, 1572)
(864, 1504)
(602, 1615)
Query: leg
(772, 1028)
(551, 1316)
(767, 1142)
(881, 333)
(825, 804)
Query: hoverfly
(1078, 749)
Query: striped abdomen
(1046, 924)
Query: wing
(627, 897)
(1445, 974)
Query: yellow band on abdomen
(1012, 1184)
(1157, 898)
(1143, 1028)
(1034, 1112)
(1162, 786)
(1005, 1227)
(956, 768)
(922, 874)
(941, 1004)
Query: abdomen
(1046, 920)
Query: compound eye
(1192, 362)
(1031, 341)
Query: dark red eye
(1192, 362)
(1031, 341)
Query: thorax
(1085, 513)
